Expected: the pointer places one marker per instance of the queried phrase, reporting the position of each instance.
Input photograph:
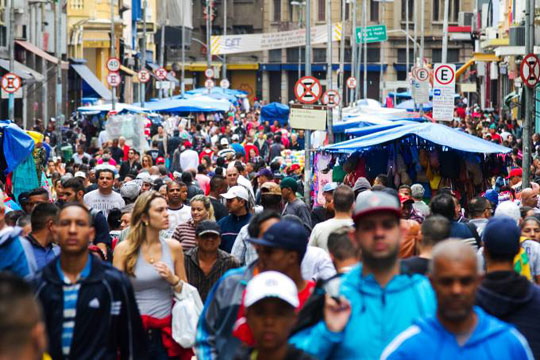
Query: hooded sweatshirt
(515, 300)
(378, 315)
(13, 255)
(428, 339)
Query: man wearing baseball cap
(326, 211)
(239, 215)
(515, 178)
(386, 301)
(294, 206)
(271, 300)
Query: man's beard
(380, 263)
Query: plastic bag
(185, 315)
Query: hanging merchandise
(24, 177)
(131, 127)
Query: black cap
(207, 227)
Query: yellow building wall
(245, 80)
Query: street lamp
(299, 5)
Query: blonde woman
(147, 162)
(156, 270)
(201, 210)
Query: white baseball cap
(145, 177)
(224, 141)
(271, 284)
(80, 174)
(237, 192)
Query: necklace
(151, 260)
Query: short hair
(163, 170)
(453, 249)
(383, 179)
(257, 219)
(477, 206)
(435, 229)
(12, 217)
(102, 170)
(187, 177)
(340, 245)
(114, 218)
(343, 198)
(524, 210)
(443, 204)
(38, 192)
(80, 206)
(19, 313)
(41, 214)
(22, 221)
(74, 183)
(216, 182)
(179, 183)
(404, 186)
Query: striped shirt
(71, 294)
(185, 233)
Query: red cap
(160, 160)
(295, 167)
(515, 172)
(404, 198)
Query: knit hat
(362, 184)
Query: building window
(404, 9)
(292, 54)
(402, 55)
(374, 10)
(77, 4)
(373, 53)
(321, 10)
(438, 10)
(319, 55)
(277, 10)
(452, 56)
(274, 56)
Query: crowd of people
(94, 265)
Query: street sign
(530, 70)
(163, 85)
(161, 73)
(331, 98)
(143, 76)
(224, 83)
(209, 73)
(307, 90)
(351, 82)
(114, 79)
(113, 64)
(420, 91)
(421, 74)
(444, 87)
(209, 84)
(372, 34)
(11, 83)
(308, 117)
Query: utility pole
(421, 62)
(307, 171)
(342, 61)
(445, 34)
(162, 48)
(143, 65)
(381, 75)
(182, 76)
(11, 44)
(352, 93)
(364, 42)
(44, 72)
(329, 111)
(58, 43)
(224, 70)
(527, 129)
(113, 53)
(208, 33)
(407, 37)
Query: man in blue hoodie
(12, 252)
(377, 300)
(459, 330)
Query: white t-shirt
(321, 231)
(177, 217)
(96, 200)
(189, 159)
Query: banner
(235, 44)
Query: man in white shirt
(80, 155)
(179, 213)
(104, 198)
(343, 205)
(189, 159)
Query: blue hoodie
(428, 339)
(12, 253)
(378, 316)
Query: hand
(166, 273)
(103, 249)
(336, 315)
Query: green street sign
(372, 34)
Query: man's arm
(102, 230)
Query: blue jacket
(230, 227)
(428, 339)
(12, 253)
(378, 315)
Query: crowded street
(269, 180)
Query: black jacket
(100, 331)
(515, 300)
(127, 168)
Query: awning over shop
(88, 76)
(22, 71)
(155, 66)
(42, 54)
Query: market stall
(275, 111)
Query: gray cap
(417, 191)
(376, 201)
(362, 184)
(130, 190)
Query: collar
(36, 243)
(83, 275)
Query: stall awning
(155, 66)
(22, 71)
(88, 76)
(42, 54)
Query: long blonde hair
(207, 205)
(137, 229)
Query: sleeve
(305, 215)
(239, 246)
(324, 268)
(520, 346)
(535, 259)
(102, 230)
(317, 340)
(132, 340)
(13, 258)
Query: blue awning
(275, 111)
(318, 67)
(88, 76)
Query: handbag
(185, 315)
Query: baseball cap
(361, 184)
(130, 190)
(501, 236)
(145, 177)
(80, 174)
(492, 196)
(515, 172)
(509, 209)
(266, 173)
(270, 188)
(376, 201)
(403, 199)
(286, 235)
(235, 137)
(207, 227)
(289, 182)
(224, 141)
(331, 186)
(160, 160)
(271, 284)
(236, 192)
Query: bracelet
(177, 283)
